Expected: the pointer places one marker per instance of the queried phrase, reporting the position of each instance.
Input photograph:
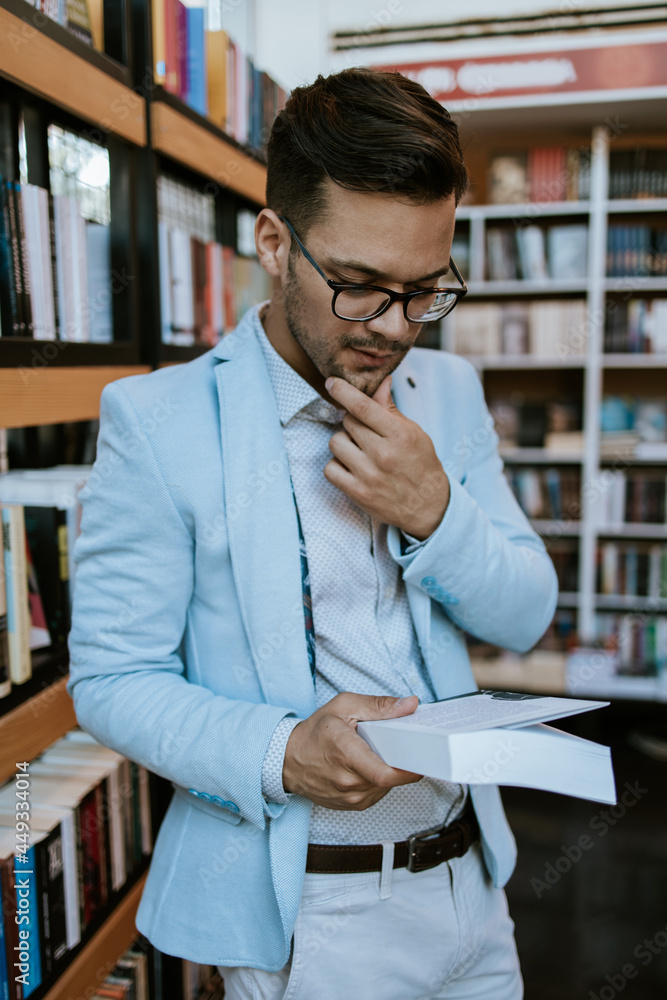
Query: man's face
(372, 239)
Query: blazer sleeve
(484, 563)
(134, 581)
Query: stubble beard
(322, 354)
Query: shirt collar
(293, 394)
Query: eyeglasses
(357, 303)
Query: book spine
(9, 915)
(25, 262)
(16, 258)
(16, 577)
(9, 316)
(29, 874)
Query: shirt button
(323, 411)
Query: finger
(340, 477)
(382, 394)
(368, 410)
(349, 454)
(364, 762)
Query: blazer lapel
(261, 521)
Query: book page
(490, 710)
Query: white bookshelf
(482, 131)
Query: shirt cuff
(272, 768)
(409, 544)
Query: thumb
(382, 394)
(373, 707)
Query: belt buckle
(417, 840)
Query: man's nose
(392, 324)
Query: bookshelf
(49, 78)
(582, 371)
(98, 956)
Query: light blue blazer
(188, 644)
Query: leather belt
(420, 851)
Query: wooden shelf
(204, 149)
(96, 959)
(27, 730)
(634, 360)
(40, 64)
(561, 528)
(31, 396)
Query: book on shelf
(21, 922)
(632, 496)
(55, 267)
(638, 173)
(633, 426)
(90, 826)
(639, 642)
(616, 666)
(541, 328)
(637, 326)
(497, 737)
(526, 423)
(198, 62)
(41, 516)
(537, 253)
(549, 494)
(636, 251)
(632, 569)
(539, 175)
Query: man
(290, 534)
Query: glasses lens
(430, 305)
(359, 303)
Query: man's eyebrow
(339, 264)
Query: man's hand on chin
(385, 462)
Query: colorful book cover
(196, 90)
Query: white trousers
(445, 932)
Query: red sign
(611, 67)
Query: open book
(497, 738)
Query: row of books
(632, 569)
(204, 287)
(75, 825)
(547, 494)
(640, 642)
(542, 174)
(636, 251)
(41, 517)
(528, 423)
(551, 328)
(637, 326)
(564, 554)
(84, 18)
(537, 253)
(633, 427)
(638, 173)
(55, 267)
(129, 978)
(209, 71)
(629, 497)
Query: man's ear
(271, 243)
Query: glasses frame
(339, 286)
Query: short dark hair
(367, 130)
